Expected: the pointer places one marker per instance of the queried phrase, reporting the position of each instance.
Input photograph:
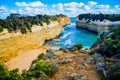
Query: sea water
(71, 35)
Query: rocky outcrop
(106, 51)
(13, 44)
(96, 26)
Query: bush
(14, 75)
(23, 30)
(41, 56)
(117, 73)
(41, 70)
(9, 75)
(3, 72)
(35, 61)
(42, 66)
(1, 29)
(110, 48)
(78, 46)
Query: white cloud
(66, 4)
(73, 4)
(4, 12)
(92, 3)
(13, 11)
(30, 4)
(36, 4)
(87, 7)
(81, 4)
(59, 7)
(21, 4)
(70, 9)
(117, 6)
(3, 8)
(103, 6)
(27, 8)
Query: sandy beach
(24, 60)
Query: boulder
(65, 49)
(65, 60)
(102, 73)
(51, 54)
(101, 65)
(76, 77)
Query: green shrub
(42, 66)
(15, 75)
(41, 56)
(3, 72)
(23, 30)
(117, 73)
(39, 71)
(110, 48)
(1, 29)
(78, 46)
(35, 61)
(9, 75)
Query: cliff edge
(13, 44)
(97, 22)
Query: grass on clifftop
(16, 22)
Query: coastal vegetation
(78, 46)
(23, 23)
(108, 46)
(101, 17)
(39, 70)
(110, 43)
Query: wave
(68, 42)
(65, 35)
(56, 40)
(73, 24)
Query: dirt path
(24, 60)
(76, 67)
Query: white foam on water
(73, 24)
(64, 36)
(68, 42)
(55, 48)
(84, 47)
(56, 40)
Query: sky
(70, 8)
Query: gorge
(23, 47)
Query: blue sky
(53, 7)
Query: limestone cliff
(96, 26)
(13, 44)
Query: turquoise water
(72, 35)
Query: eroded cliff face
(96, 26)
(13, 44)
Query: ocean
(71, 35)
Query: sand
(24, 60)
